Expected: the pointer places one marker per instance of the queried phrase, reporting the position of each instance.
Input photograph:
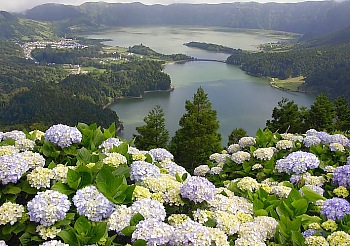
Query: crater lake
(240, 100)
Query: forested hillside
(314, 18)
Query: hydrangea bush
(85, 186)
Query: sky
(22, 5)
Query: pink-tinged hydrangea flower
(160, 154)
(198, 189)
(15, 135)
(62, 135)
(335, 208)
(297, 162)
(240, 156)
(153, 231)
(141, 170)
(246, 142)
(12, 167)
(48, 207)
(10, 213)
(149, 208)
(341, 176)
(92, 204)
(109, 143)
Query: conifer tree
(153, 134)
(342, 110)
(198, 135)
(321, 114)
(236, 135)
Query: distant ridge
(313, 19)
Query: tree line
(198, 135)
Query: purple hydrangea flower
(198, 189)
(160, 154)
(339, 138)
(15, 135)
(311, 140)
(48, 207)
(335, 208)
(142, 169)
(174, 168)
(309, 232)
(153, 231)
(297, 162)
(62, 135)
(341, 175)
(324, 137)
(109, 143)
(12, 167)
(92, 204)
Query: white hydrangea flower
(10, 213)
(263, 154)
(201, 170)
(46, 232)
(115, 159)
(40, 177)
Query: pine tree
(153, 134)
(286, 118)
(236, 135)
(322, 114)
(197, 137)
(342, 111)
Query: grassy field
(291, 84)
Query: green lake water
(239, 99)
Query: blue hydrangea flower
(191, 233)
(109, 143)
(15, 135)
(160, 154)
(153, 231)
(198, 189)
(335, 208)
(324, 137)
(149, 208)
(92, 204)
(174, 168)
(341, 175)
(339, 138)
(62, 135)
(12, 167)
(311, 140)
(297, 162)
(308, 233)
(139, 170)
(48, 207)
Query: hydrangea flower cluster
(24, 144)
(54, 243)
(233, 148)
(119, 219)
(140, 192)
(240, 156)
(219, 158)
(10, 213)
(201, 170)
(153, 231)
(115, 159)
(149, 209)
(63, 135)
(311, 141)
(12, 168)
(47, 207)
(197, 189)
(297, 162)
(46, 232)
(59, 173)
(336, 147)
(164, 183)
(109, 143)
(191, 233)
(160, 154)
(246, 142)
(139, 170)
(341, 176)
(340, 138)
(15, 135)
(34, 159)
(316, 241)
(248, 183)
(40, 177)
(173, 168)
(264, 154)
(92, 204)
(284, 144)
(335, 208)
(338, 238)
(8, 150)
